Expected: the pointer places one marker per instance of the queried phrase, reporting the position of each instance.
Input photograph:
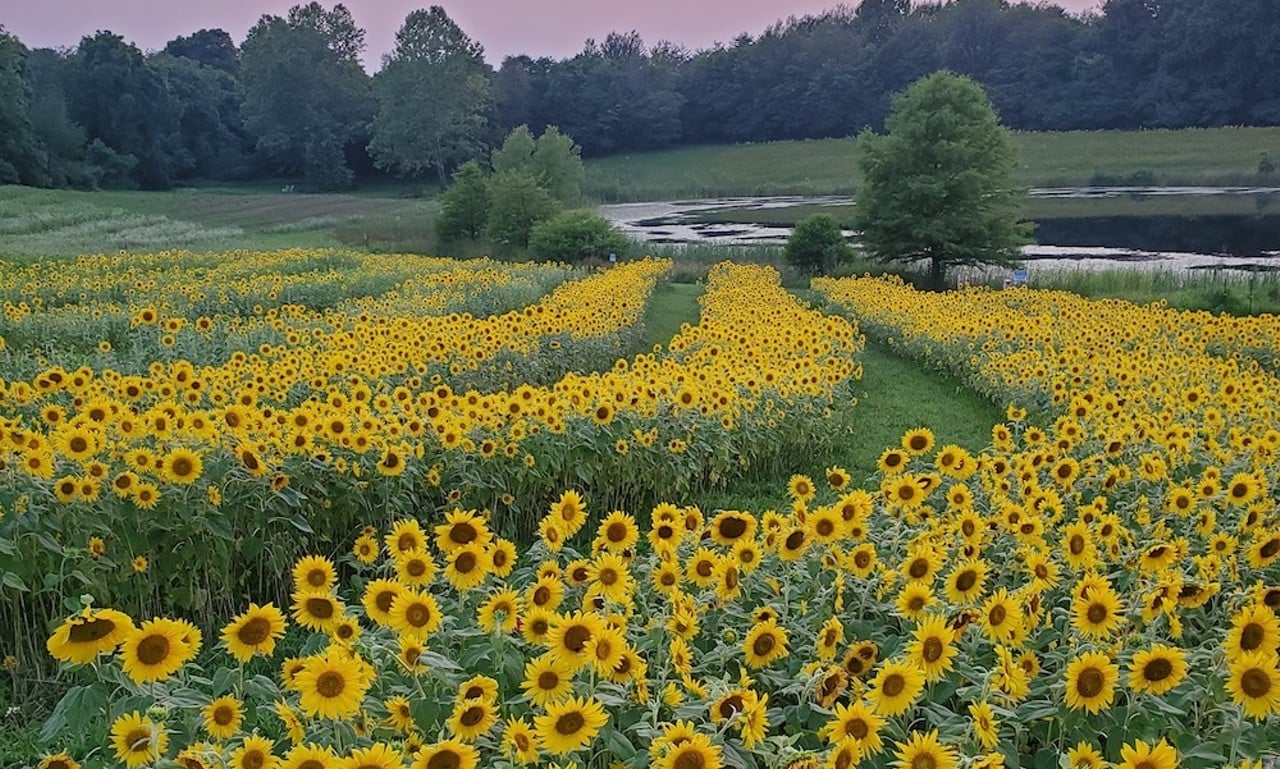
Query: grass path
(896, 394)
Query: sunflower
(467, 567)
(855, 722)
(317, 611)
(932, 650)
(569, 513)
(701, 567)
(254, 632)
(1254, 629)
(570, 725)
(765, 642)
(860, 658)
(964, 584)
(793, 543)
(892, 461)
(479, 688)
(138, 740)
(924, 751)
(545, 681)
(1253, 681)
(610, 577)
(1091, 680)
(314, 574)
(462, 528)
(58, 761)
(333, 685)
(500, 611)
(81, 638)
(415, 614)
(365, 549)
(606, 649)
(917, 442)
(181, 466)
(861, 561)
(1142, 755)
(472, 719)
(1098, 613)
(1158, 669)
(985, 726)
(406, 536)
(411, 653)
(921, 566)
(254, 753)
(536, 626)
(618, 533)
(309, 756)
(520, 741)
(400, 714)
(379, 595)
(731, 527)
(379, 755)
(157, 650)
(448, 754)
(569, 636)
(696, 752)
(829, 638)
(826, 525)
(415, 568)
(831, 684)
(1085, 756)
(222, 717)
(895, 688)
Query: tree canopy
(938, 184)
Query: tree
(306, 98)
(464, 207)
(20, 152)
(817, 245)
(553, 159)
(937, 185)
(516, 203)
(433, 94)
(574, 236)
(210, 47)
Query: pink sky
(555, 28)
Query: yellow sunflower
(932, 650)
(81, 638)
(379, 595)
(467, 567)
(332, 686)
(462, 528)
(157, 650)
(545, 681)
(471, 719)
(1091, 680)
(254, 632)
(1253, 681)
(520, 741)
(1158, 669)
(856, 722)
(138, 740)
(415, 614)
(924, 750)
(254, 753)
(317, 611)
(764, 643)
(696, 752)
(222, 717)
(314, 574)
(448, 754)
(1143, 755)
(896, 687)
(570, 725)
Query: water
(1240, 242)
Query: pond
(1172, 228)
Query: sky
(556, 28)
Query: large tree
(433, 93)
(938, 185)
(20, 151)
(306, 97)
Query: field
(828, 167)
(268, 508)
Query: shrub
(817, 245)
(574, 236)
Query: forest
(293, 102)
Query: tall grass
(1221, 291)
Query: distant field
(828, 167)
(40, 223)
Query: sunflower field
(305, 510)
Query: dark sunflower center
(138, 740)
(966, 580)
(893, 685)
(182, 467)
(465, 563)
(445, 759)
(731, 704)
(153, 650)
(997, 615)
(862, 559)
(254, 632)
(1157, 669)
(1255, 683)
(91, 631)
(1251, 636)
(918, 568)
(548, 680)
(704, 568)
(794, 540)
(416, 567)
(689, 758)
(472, 716)
(1090, 682)
(78, 444)
(1097, 613)
(576, 637)
(857, 728)
(330, 683)
(570, 723)
(418, 615)
(463, 533)
(253, 759)
(320, 607)
(825, 528)
(224, 715)
(617, 532)
(931, 650)
(1076, 545)
(763, 645)
(1270, 549)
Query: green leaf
(14, 581)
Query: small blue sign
(1019, 277)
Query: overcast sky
(554, 28)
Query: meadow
(306, 507)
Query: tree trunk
(936, 273)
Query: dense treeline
(293, 101)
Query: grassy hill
(828, 166)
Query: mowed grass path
(895, 395)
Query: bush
(464, 207)
(817, 245)
(574, 236)
(516, 204)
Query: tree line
(294, 101)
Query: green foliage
(574, 236)
(18, 147)
(516, 204)
(938, 186)
(464, 207)
(553, 159)
(817, 245)
(432, 94)
(305, 94)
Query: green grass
(1218, 291)
(670, 305)
(38, 223)
(828, 166)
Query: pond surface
(1239, 241)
